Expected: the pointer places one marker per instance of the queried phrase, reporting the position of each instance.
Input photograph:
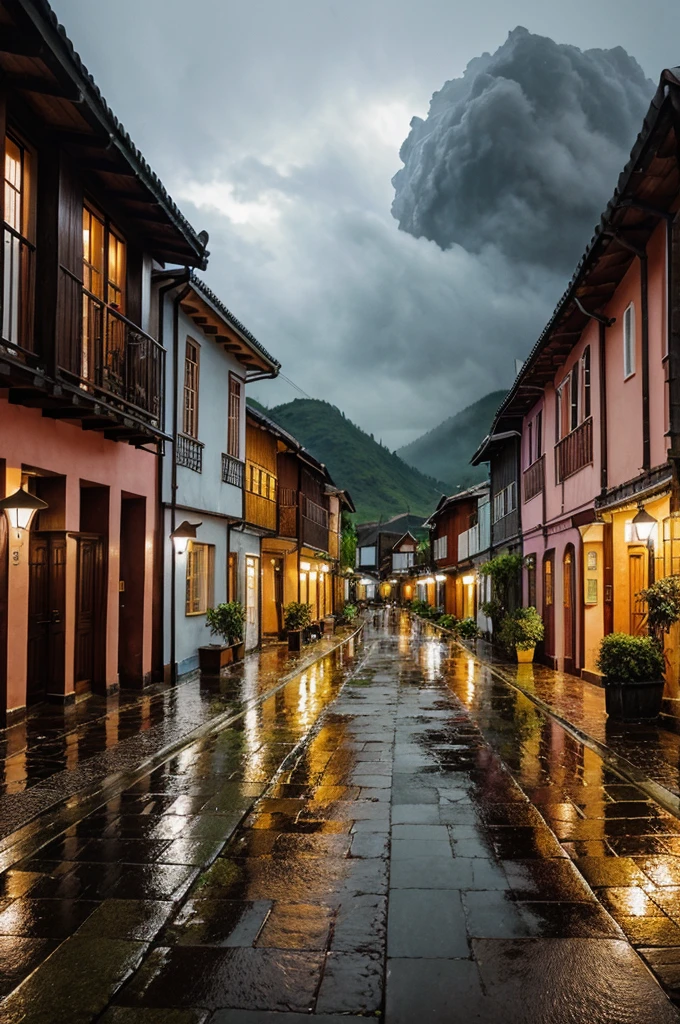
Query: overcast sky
(277, 124)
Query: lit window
(17, 288)
(200, 578)
(629, 341)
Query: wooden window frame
(110, 229)
(190, 422)
(234, 417)
(586, 402)
(200, 578)
(17, 324)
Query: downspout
(184, 279)
(604, 448)
(159, 559)
(674, 360)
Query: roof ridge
(215, 299)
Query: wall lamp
(644, 524)
(20, 508)
(181, 536)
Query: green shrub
(521, 630)
(448, 622)
(419, 607)
(629, 659)
(349, 612)
(663, 605)
(297, 615)
(226, 620)
(468, 630)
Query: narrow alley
(399, 834)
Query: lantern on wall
(181, 536)
(644, 523)
(20, 508)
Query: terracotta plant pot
(630, 702)
(213, 658)
(295, 640)
(525, 657)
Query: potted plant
(467, 629)
(226, 621)
(520, 631)
(449, 622)
(663, 606)
(633, 668)
(296, 616)
(349, 613)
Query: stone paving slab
(461, 889)
(64, 752)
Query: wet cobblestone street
(437, 848)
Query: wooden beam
(33, 83)
(210, 329)
(89, 139)
(19, 43)
(106, 167)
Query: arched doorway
(549, 605)
(569, 607)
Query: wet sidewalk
(60, 752)
(648, 752)
(437, 849)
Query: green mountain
(445, 452)
(381, 484)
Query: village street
(397, 831)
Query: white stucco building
(211, 357)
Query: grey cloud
(522, 152)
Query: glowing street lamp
(644, 524)
(181, 536)
(20, 508)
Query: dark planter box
(295, 640)
(630, 702)
(329, 624)
(239, 650)
(214, 657)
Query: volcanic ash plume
(522, 152)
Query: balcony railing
(18, 293)
(107, 354)
(315, 513)
(189, 453)
(233, 471)
(534, 479)
(478, 537)
(574, 451)
(260, 511)
(288, 508)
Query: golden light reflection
(470, 692)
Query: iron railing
(233, 470)
(189, 453)
(534, 479)
(315, 513)
(107, 353)
(17, 272)
(574, 451)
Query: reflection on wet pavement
(437, 849)
(61, 751)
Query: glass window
(191, 366)
(200, 578)
(94, 231)
(629, 341)
(234, 424)
(585, 381)
(18, 249)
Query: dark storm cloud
(523, 150)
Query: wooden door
(637, 581)
(89, 603)
(46, 615)
(569, 607)
(278, 591)
(549, 605)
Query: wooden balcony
(260, 511)
(534, 479)
(315, 520)
(574, 451)
(288, 510)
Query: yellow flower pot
(525, 657)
